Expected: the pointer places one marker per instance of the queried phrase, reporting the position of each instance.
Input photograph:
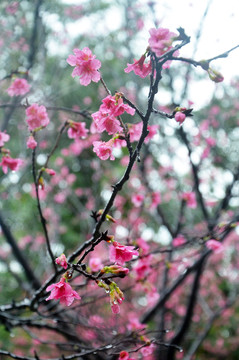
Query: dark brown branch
(195, 176)
(43, 220)
(177, 339)
(19, 255)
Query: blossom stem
(43, 220)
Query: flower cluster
(86, 66)
(106, 118)
(36, 117)
(9, 163)
(160, 40)
(116, 297)
(18, 87)
(62, 261)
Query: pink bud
(31, 142)
(180, 117)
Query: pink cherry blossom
(121, 253)
(124, 355)
(10, 163)
(36, 117)
(143, 267)
(152, 130)
(12, 7)
(3, 138)
(155, 200)
(139, 68)
(106, 117)
(95, 264)
(210, 141)
(86, 66)
(62, 291)
(180, 117)
(62, 261)
(104, 149)
(77, 130)
(214, 245)
(190, 199)
(31, 142)
(115, 106)
(18, 87)
(137, 199)
(160, 40)
(179, 240)
(105, 122)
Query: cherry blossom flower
(139, 68)
(190, 199)
(31, 142)
(179, 240)
(180, 117)
(86, 66)
(137, 199)
(111, 107)
(155, 200)
(152, 130)
(77, 130)
(18, 87)
(10, 163)
(160, 40)
(135, 131)
(62, 291)
(121, 253)
(62, 261)
(143, 267)
(115, 106)
(134, 323)
(36, 117)
(214, 245)
(124, 355)
(210, 141)
(105, 122)
(104, 149)
(3, 138)
(12, 7)
(95, 264)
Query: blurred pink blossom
(18, 87)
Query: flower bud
(215, 75)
